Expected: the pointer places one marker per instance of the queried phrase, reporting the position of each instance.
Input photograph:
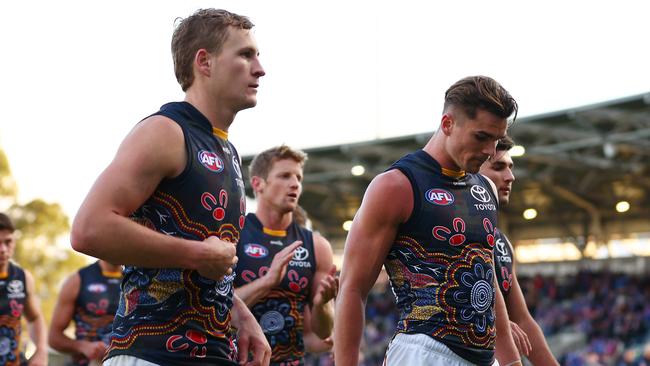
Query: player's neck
(109, 267)
(436, 148)
(219, 115)
(273, 219)
(4, 269)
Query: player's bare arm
(153, 151)
(324, 288)
(35, 323)
(371, 236)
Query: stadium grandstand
(579, 219)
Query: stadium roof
(578, 164)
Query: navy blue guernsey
(95, 307)
(503, 262)
(281, 312)
(175, 316)
(441, 263)
(13, 296)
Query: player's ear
(446, 124)
(202, 62)
(257, 183)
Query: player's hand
(329, 341)
(250, 337)
(313, 343)
(328, 288)
(93, 350)
(279, 265)
(218, 260)
(521, 339)
(39, 358)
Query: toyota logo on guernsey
(300, 254)
(439, 197)
(481, 194)
(235, 165)
(255, 251)
(299, 259)
(211, 161)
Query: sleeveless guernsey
(281, 312)
(503, 262)
(96, 305)
(175, 316)
(441, 263)
(13, 296)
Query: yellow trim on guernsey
(453, 173)
(220, 133)
(274, 232)
(112, 274)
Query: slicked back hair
(480, 92)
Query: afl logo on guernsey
(211, 161)
(255, 251)
(97, 288)
(439, 197)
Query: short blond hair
(263, 162)
(206, 28)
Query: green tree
(42, 231)
(7, 183)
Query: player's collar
(272, 232)
(220, 133)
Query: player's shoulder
(390, 196)
(71, 284)
(393, 181)
(320, 242)
(393, 186)
(157, 143)
(158, 125)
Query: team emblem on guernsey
(97, 288)
(16, 289)
(211, 161)
(255, 251)
(439, 197)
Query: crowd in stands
(609, 312)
